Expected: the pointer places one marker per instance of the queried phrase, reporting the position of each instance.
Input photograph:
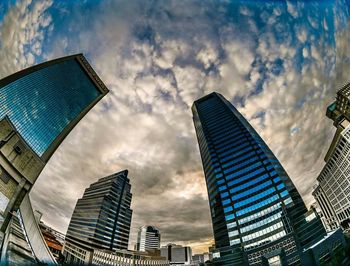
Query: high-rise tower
(333, 184)
(148, 238)
(258, 215)
(39, 106)
(101, 219)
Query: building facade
(39, 107)
(340, 108)
(148, 238)
(200, 259)
(101, 219)
(258, 216)
(177, 254)
(333, 183)
(127, 258)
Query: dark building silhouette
(258, 216)
(101, 219)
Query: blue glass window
(225, 202)
(222, 188)
(42, 103)
(277, 179)
(252, 190)
(229, 217)
(228, 209)
(223, 195)
(284, 193)
(257, 205)
(247, 176)
(280, 186)
(257, 179)
(242, 171)
(221, 181)
(254, 198)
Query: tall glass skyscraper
(39, 106)
(258, 215)
(45, 101)
(101, 219)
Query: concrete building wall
(35, 237)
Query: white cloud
(23, 26)
(292, 9)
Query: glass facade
(254, 204)
(43, 100)
(102, 217)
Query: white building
(333, 189)
(176, 254)
(148, 238)
(199, 259)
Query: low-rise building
(201, 259)
(177, 254)
(324, 250)
(127, 258)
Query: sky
(279, 62)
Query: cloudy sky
(279, 62)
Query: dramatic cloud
(279, 63)
(22, 31)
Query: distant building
(340, 108)
(101, 219)
(177, 254)
(148, 238)
(127, 258)
(52, 242)
(333, 183)
(53, 238)
(200, 259)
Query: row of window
(265, 240)
(255, 197)
(261, 223)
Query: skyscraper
(258, 215)
(333, 183)
(148, 238)
(40, 105)
(101, 219)
(45, 102)
(340, 108)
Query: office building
(200, 259)
(101, 219)
(258, 216)
(53, 238)
(340, 108)
(39, 107)
(333, 183)
(148, 238)
(177, 254)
